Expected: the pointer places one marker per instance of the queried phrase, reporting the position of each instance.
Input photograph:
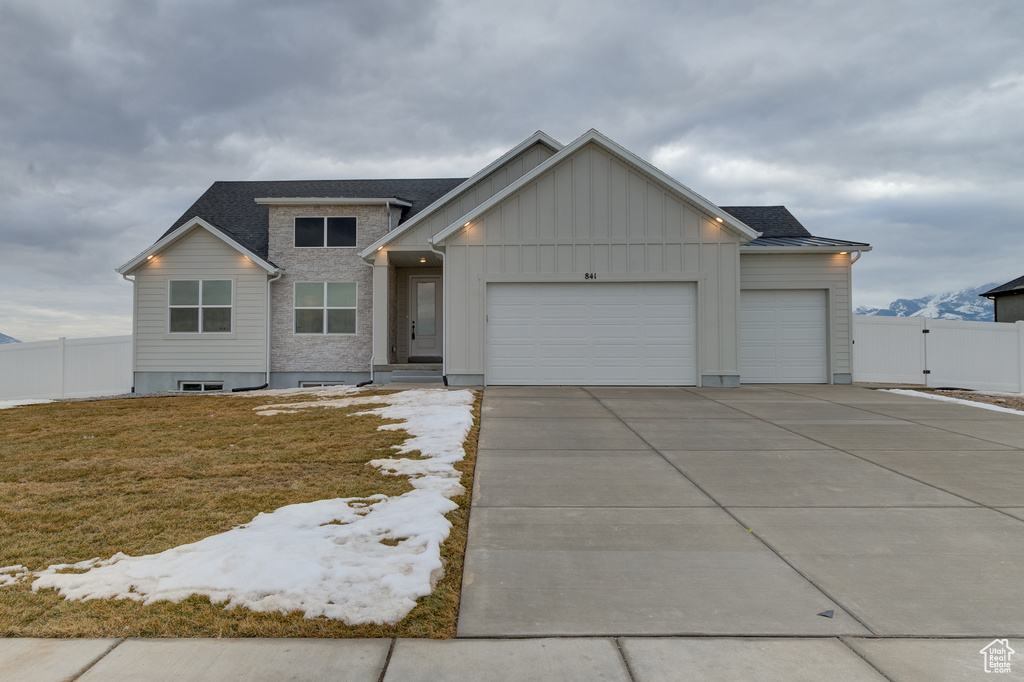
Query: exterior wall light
(718, 219)
(423, 260)
(149, 257)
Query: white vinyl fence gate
(66, 368)
(986, 356)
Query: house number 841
(590, 275)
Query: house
(575, 264)
(1008, 300)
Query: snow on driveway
(323, 558)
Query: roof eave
(173, 237)
(713, 211)
(846, 248)
(538, 137)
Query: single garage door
(591, 333)
(782, 337)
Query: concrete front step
(417, 376)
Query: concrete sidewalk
(624, 659)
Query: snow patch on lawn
(5, 404)
(947, 399)
(323, 558)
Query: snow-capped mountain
(8, 339)
(955, 305)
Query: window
(313, 232)
(200, 385)
(320, 384)
(325, 307)
(199, 306)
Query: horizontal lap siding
(809, 271)
(200, 255)
(593, 213)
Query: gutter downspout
(134, 311)
(272, 279)
(856, 257)
(444, 312)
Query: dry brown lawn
(88, 479)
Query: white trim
(538, 137)
(592, 136)
(179, 233)
(330, 201)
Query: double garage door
(592, 333)
(644, 333)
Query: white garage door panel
(593, 333)
(783, 337)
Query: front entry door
(424, 318)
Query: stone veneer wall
(290, 352)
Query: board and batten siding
(200, 255)
(593, 213)
(482, 190)
(828, 271)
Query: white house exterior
(578, 264)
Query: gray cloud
(882, 121)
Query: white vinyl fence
(66, 368)
(986, 356)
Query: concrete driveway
(744, 512)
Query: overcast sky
(892, 122)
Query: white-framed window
(319, 384)
(325, 307)
(196, 386)
(199, 306)
(321, 232)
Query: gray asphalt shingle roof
(231, 206)
(1014, 286)
(771, 221)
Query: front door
(424, 319)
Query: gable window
(325, 307)
(199, 306)
(320, 232)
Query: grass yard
(88, 479)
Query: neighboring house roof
(1014, 286)
(231, 206)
